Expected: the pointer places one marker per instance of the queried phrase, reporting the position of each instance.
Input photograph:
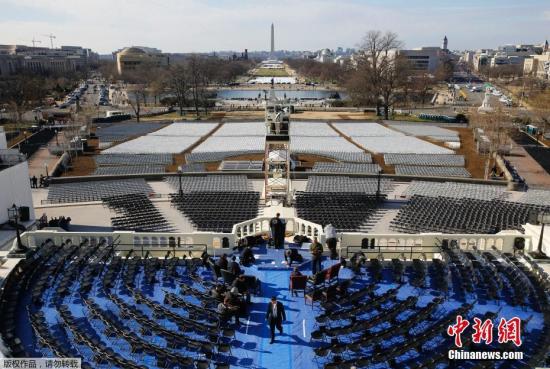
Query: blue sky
(206, 25)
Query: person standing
(275, 316)
(277, 231)
(330, 235)
(316, 250)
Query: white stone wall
(15, 189)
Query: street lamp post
(179, 179)
(378, 186)
(13, 215)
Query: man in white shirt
(330, 235)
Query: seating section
(366, 129)
(217, 211)
(136, 213)
(174, 139)
(536, 197)
(325, 167)
(210, 183)
(341, 156)
(206, 157)
(84, 301)
(399, 145)
(242, 165)
(431, 171)
(116, 132)
(241, 129)
(443, 160)
(322, 144)
(347, 184)
(374, 326)
(218, 148)
(133, 159)
(132, 169)
(312, 129)
(192, 168)
(96, 190)
(427, 130)
(345, 211)
(461, 215)
(456, 190)
(137, 312)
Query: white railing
(294, 225)
(137, 240)
(417, 244)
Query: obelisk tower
(272, 41)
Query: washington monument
(272, 40)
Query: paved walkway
(528, 168)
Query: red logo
(483, 332)
(457, 329)
(508, 330)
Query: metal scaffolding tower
(277, 150)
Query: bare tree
(421, 85)
(496, 129)
(382, 69)
(198, 81)
(21, 92)
(445, 70)
(178, 83)
(137, 90)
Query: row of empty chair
(446, 160)
(133, 159)
(400, 145)
(347, 184)
(205, 157)
(122, 131)
(345, 211)
(536, 197)
(131, 169)
(455, 189)
(427, 130)
(217, 211)
(86, 302)
(431, 171)
(192, 167)
(240, 129)
(136, 212)
(96, 190)
(376, 327)
(311, 129)
(210, 183)
(325, 167)
(242, 165)
(311, 144)
(341, 156)
(462, 215)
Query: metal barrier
(390, 252)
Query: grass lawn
(264, 72)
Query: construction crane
(51, 37)
(34, 42)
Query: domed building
(131, 57)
